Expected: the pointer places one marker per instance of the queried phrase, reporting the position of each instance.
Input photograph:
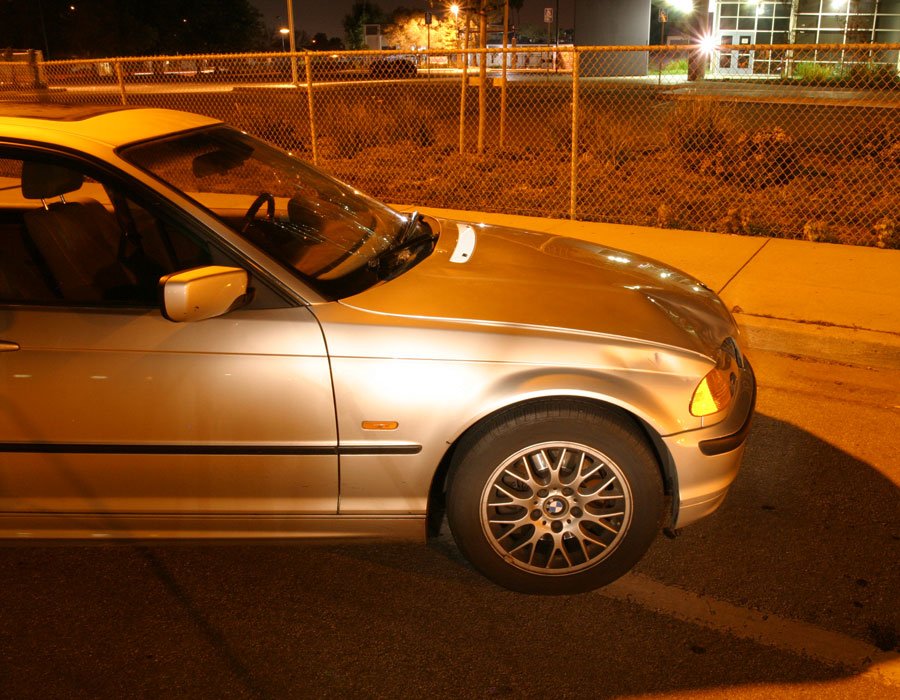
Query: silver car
(204, 336)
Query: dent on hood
(684, 300)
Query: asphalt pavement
(788, 591)
(821, 300)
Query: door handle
(8, 346)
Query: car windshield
(337, 239)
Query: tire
(554, 498)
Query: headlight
(716, 389)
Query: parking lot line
(800, 638)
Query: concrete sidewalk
(832, 302)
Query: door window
(69, 237)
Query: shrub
(871, 75)
(272, 128)
(609, 138)
(815, 73)
(745, 222)
(409, 122)
(353, 128)
(665, 218)
(878, 139)
(887, 233)
(819, 232)
(679, 66)
(865, 74)
(762, 158)
(559, 128)
(700, 126)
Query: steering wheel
(262, 198)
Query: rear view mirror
(204, 292)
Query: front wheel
(557, 498)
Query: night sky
(327, 16)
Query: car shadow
(808, 533)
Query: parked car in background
(203, 336)
(393, 66)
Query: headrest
(42, 181)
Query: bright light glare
(454, 10)
(685, 6)
(284, 30)
(707, 44)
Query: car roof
(105, 125)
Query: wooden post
(482, 75)
(120, 79)
(503, 76)
(573, 176)
(312, 112)
(462, 97)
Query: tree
(322, 42)
(361, 14)
(532, 34)
(96, 28)
(516, 6)
(407, 29)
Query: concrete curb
(854, 346)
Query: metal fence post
(120, 79)
(36, 82)
(503, 75)
(312, 112)
(294, 67)
(482, 77)
(573, 193)
(759, 185)
(9, 67)
(482, 99)
(462, 105)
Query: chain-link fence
(790, 141)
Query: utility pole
(482, 74)
(556, 40)
(698, 59)
(503, 76)
(293, 40)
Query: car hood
(494, 275)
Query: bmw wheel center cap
(556, 506)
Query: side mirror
(201, 293)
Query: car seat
(77, 241)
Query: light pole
(290, 13)
(284, 31)
(454, 10)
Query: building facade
(821, 22)
(745, 23)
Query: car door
(109, 409)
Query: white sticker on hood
(465, 244)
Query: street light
(284, 31)
(683, 6)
